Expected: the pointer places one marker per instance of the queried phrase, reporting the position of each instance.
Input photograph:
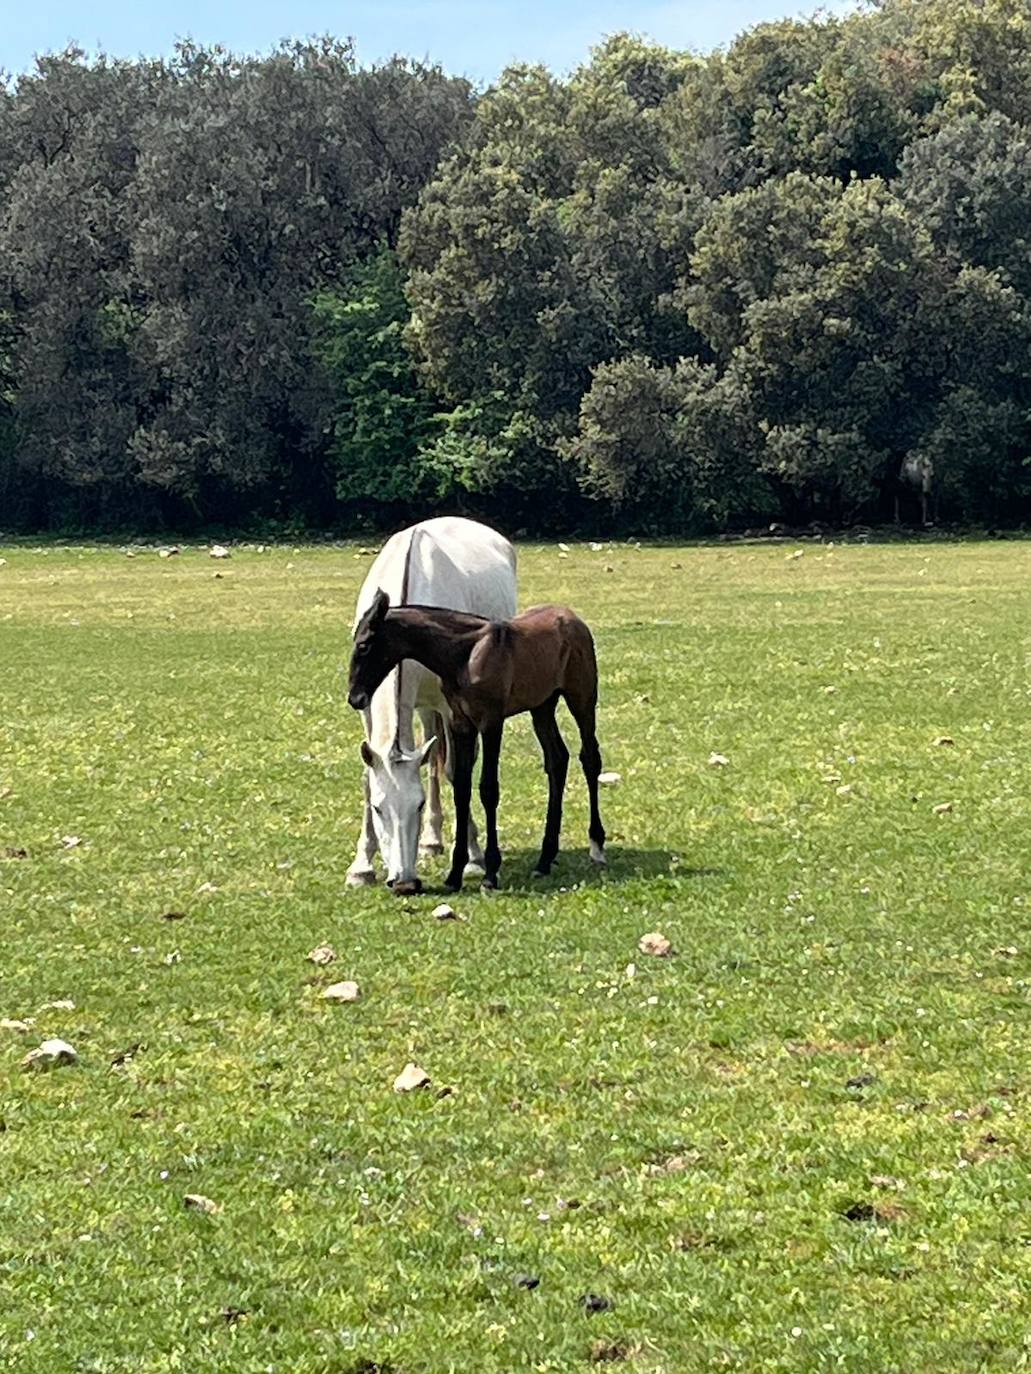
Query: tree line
(669, 292)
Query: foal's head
(371, 658)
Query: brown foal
(490, 670)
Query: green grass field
(800, 1144)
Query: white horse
(458, 565)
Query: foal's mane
(452, 620)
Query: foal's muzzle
(358, 699)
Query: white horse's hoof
(431, 850)
(598, 855)
(361, 878)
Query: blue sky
(474, 38)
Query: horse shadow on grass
(574, 866)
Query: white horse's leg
(431, 841)
(361, 872)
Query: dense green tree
(162, 236)
(383, 416)
(64, 260)
(970, 185)
(673, 447)
(668, 290)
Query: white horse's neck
(393, 704)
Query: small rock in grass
(51, 1054)
(70, 841)
(173, 916)
(609, 779)
(124, 1056)
(471, 1224)
(858, 1211)
(942, 809)
(232, 1315)
(197, 1202)
(11, 852)
(411, 1078)
(346, 991)
(322, 955)
(861, 1080)
(443, 912)
(656, 944)
(219, 551)
(609, 1352)
(879, 1212)
(943, 740)
(609, 567)
(12, 1024)
(564, 548)
(887, 1181)
(718, 760)
(61, 1004)
(594, 1302)
(528, 1281)
(168, 553)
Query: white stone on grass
(411, 1078)
(197, 1202)
(656, 944)
(51, 1054)
(347, 991)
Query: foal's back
(527, 660)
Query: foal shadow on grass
(574, 865)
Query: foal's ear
(380, 606)
(368, 755)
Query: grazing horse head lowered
(397, 801)
(490, 670)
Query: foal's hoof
(598, 855)
(489, 885)
(453, 882)
(361, 878)
(541, 871)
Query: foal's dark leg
(584, 710)
(556, 763)
(490, 791)
(463, 741)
